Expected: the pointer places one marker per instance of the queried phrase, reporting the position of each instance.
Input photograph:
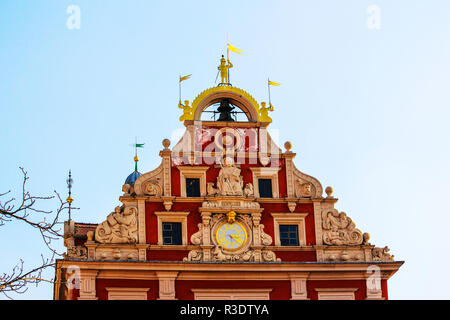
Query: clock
(231, 236)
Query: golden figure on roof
(187, 110)
(263, 112)
(223, 68)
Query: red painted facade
(329, 259)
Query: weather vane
(136, 145)
(69, 198)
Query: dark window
(289, 235)
(265, 188)
(193, 187)
(171, 233)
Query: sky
(365, 105)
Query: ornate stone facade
(222, 225)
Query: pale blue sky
(366, 110)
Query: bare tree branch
(48, 225)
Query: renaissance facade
(226, 215)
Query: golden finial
(136, 158)
(231, 217)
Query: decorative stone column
(166, 285)
(141, 221)
(290, 183)
(166, 156)
(256, 219)
(69, 239)
(206, 236)
(318, 222)
(87, 285)
(206, 231)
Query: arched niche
(236, 96)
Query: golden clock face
(231, 236)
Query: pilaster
(206, 230)
(166, 285)
(256, 218)
(141, 221)
(298, 286)
(318, 222)
(166, 155)
(87, 285)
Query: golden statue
(187, 110)
(263, 112)
(224, 70)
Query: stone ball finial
(366, 237)
(329, 191)
(288, 146)
(166, 143)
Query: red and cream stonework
(124, 257)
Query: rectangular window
(289, 235)
(265, 188)
(171, 233)
(192, 187)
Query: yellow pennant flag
(274, 83)
(234, 49)
(185, 77)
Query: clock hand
(236, 238)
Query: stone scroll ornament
(196, 238)
(338, 229)
(382, 254)
(119, 227)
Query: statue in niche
(229, 181)
(119, 227)
(248, 190)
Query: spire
(69, 198)
(136, 158)
(135, 174)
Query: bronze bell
(225, 111)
